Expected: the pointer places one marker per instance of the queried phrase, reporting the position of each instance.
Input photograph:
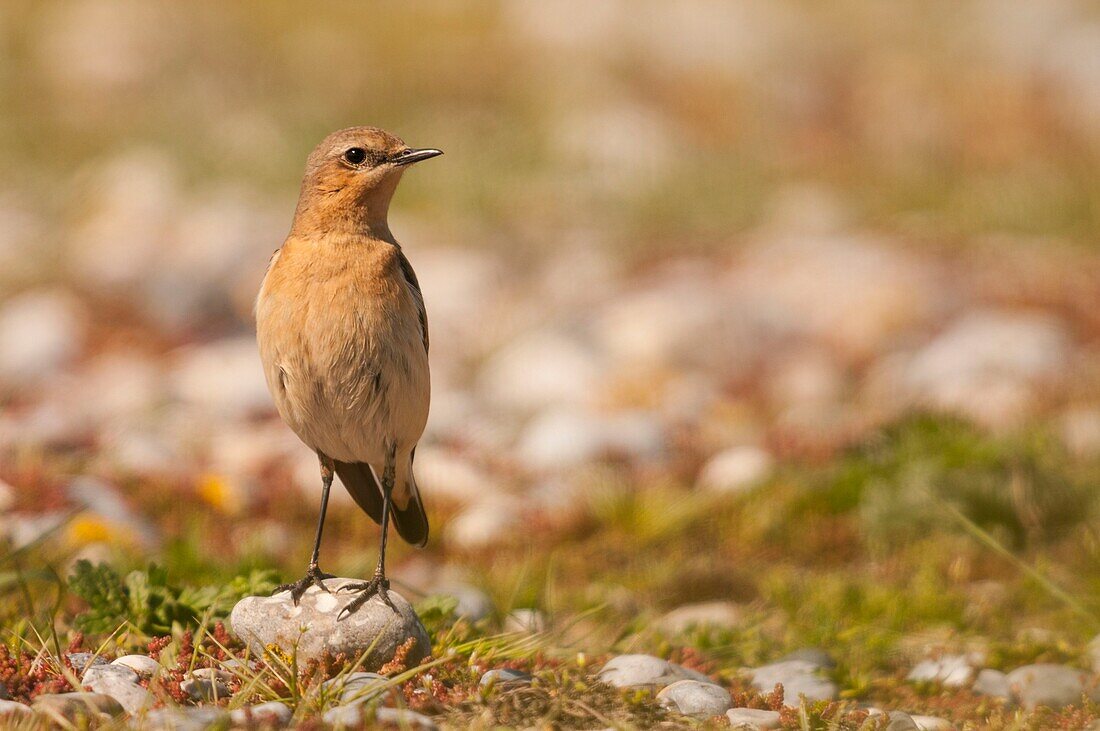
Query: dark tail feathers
(411, 521)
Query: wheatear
(344, 339)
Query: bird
(343, 338)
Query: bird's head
(351, 177)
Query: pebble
(1094, 654)
(695, 698)
(900, 721)
(484, 523)
(560, 438)
(700, 616)
(272, 712)
(645, 671)
(375, 629)
(473, 603)
(143, 665)
(40, 332)
(358, 686)
(932, 723)
(222, 377)
(81, 661)
(73, 706)
(203, 689)
(1055, 686)
(992, 683)
(752, 719)
(539, 370)
(505, 676)
(736, 470)
(526, 620)
(13, 707)
(404, 718)
(953, 671)
(187, 718)
(799, 678)
(119, 682)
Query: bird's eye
(356, 155)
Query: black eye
(356, 155)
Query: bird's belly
(354, 409)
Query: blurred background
(781, 311)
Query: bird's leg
(378, 584)
(314, 574)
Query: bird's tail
(411, 521)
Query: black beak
(408, 157)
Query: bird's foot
(313, 577)
(379, 585)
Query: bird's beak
(408, 157)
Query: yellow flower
(220, 493)
(87, 528)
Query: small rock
(119, 682)
(799, 678)
(932, 723)
(81, 661)
(1094, 654)
(900, 721)
(312, 626)
(272, 712)
(1050, 685)
(694, 698)
(644, 671)
(485, 522)
(505, 676)
(538, 370)
(203, 689)
(223, 377)
(473, 603)
(953, 671)
(751, 719)
(992, 683)
(187, 718)
(736, 470)
(73, 706)
(12, 707)
(212, 674)
(814, 655)
(526, 620)
(40, 332)
(701, 615)
(560, 438)
(143, 665)
(345, 716)
(358, 686)
(404, 718)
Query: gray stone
(752, 719)
(205, 689)
(799, 678)
(900, 721)
(700, 616)
(375, 631)
(1051, 685)
(272, 712)
(693, 698)
(70, 707)
(505, 676)
(119, 682)
(736, 470)
(357, 686)
(473, 603)
(12, 707)
(526, 620)
(932, 723)
(187, 719)
(637, 671)
(813, 655)
(143, 665)
(404, 718)
(81, 661)
(953, 671)
(342, 716)
(992, 683)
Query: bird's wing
(418, 296)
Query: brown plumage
(343, 336)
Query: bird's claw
(314, 577)
(379, 585)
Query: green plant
(146, 601)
